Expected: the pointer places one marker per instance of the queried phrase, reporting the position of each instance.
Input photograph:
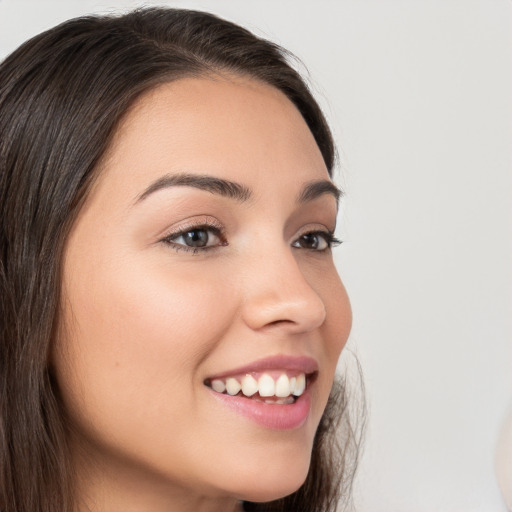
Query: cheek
(133, 344)
(339, 316)
(153, 309)
(335, 330)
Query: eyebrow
(233, 190)
(315, 189)
(211, 184)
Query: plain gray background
(419, 94)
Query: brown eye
(201, 237)
(316, 241)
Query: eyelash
(209, 228)
(327, 236)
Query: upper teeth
(265, 385)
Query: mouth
(276, 387)
(274, 392)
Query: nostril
(278, 322)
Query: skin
(145, 322)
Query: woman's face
(200, 260)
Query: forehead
(231, 127)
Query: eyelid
(204, 222)
(196, 222)
(314, 228)
(320, 230)
(211, 224)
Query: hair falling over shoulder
(62, 95)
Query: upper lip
(302, 364)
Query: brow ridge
(205, 182)
(317, 188)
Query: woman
(171, 314)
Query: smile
(271, 387)
(274, 392)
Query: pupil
(196, 238)
(310, 241)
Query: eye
(196, 238)
(316, 241)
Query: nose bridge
(278, 293)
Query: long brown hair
(62, 95)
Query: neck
(142, 497)
(123, 486)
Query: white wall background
(419, 93)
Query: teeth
(300, 385)
(232, 386)
(265, 389)
(249, 385)
(281, 401)
(219, 386)
(283, 386)
(293, 381)
(266, 385)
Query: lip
(302, 364)
(271, 416)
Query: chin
(273, 481)
(266, 467)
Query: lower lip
(271, 416)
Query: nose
(277, 294)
